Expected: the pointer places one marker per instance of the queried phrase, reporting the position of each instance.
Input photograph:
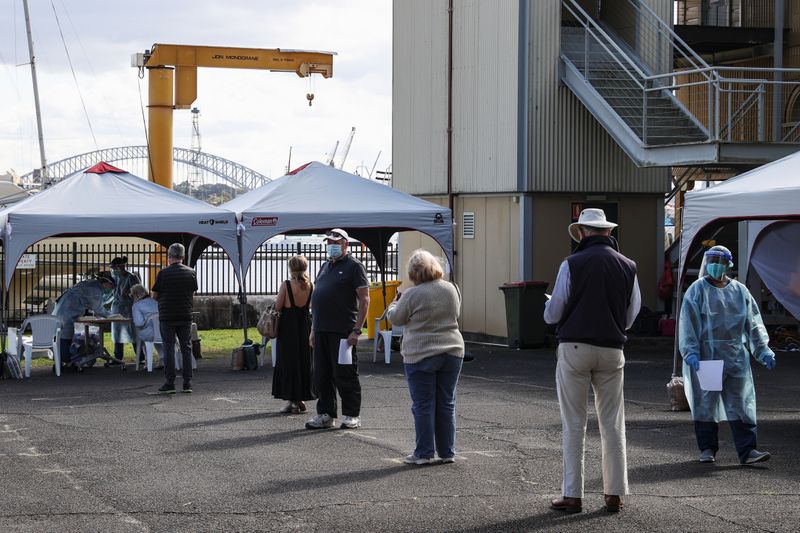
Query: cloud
(251, 117)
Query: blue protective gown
(75, 301)
(722, 323)
(122, 304)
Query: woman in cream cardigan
(433, 351)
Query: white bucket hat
(592, 217)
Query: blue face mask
(334, 251)
(716, 270)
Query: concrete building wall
(419, 96)
(482, 263)
(485, 67)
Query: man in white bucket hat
(595, 300)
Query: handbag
(268, 323)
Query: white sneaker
(351, 422)
(322, 421)
(414, 460)
(446, 460)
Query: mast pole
(43, 169)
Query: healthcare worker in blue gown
(720, 321)
(122, 304)
(89, 294)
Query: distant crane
(195, 176)
(333, 154)
(347, 147)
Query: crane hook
(310, 98)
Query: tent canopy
(317, 197)
(769, 192)
(105, 200)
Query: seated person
(144, 307)
(89, 295)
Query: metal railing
(48, 269)
(729, 104)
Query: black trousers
(744, 436)
(183, 330)
(119, 349)
(330, 376)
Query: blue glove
(769, 361)
(693, 362)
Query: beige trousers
(580, 365)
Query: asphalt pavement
(100, 451)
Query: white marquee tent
(768, 193)
(105, 200)
(317, 197)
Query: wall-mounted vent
(468, 231)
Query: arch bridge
(197, 166)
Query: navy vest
(601, 284)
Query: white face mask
(334, 251)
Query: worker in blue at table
(720, 321)
(90, 295)
(122, 304)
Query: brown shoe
(613, 504)
(568, 505)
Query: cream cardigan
(429, 311)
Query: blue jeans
(432, 384)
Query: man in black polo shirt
(174, 290)
(339, 306)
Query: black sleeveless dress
(291, 378)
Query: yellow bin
(376, 306)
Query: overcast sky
(251, 117)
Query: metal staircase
(632, 88)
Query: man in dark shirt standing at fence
(339, 306)
(174, 290)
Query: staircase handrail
(740, 112)
(666, 28)
(601, 31)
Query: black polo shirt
(175, 286)
(334, 302)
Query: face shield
(717, 261)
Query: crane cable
(74, 77)
(91, 70)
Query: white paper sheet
(345, 353)
(710, 375)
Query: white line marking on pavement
(58, 399)
(33, 452)
(54, 471)
(356, 434)
(223, 399)
(484, 453)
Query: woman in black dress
(291, 379)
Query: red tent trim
(103, 167)
(298, 169)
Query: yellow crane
(172, 84)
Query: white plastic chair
(45, 337)
(149, 346)
(386, 336)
